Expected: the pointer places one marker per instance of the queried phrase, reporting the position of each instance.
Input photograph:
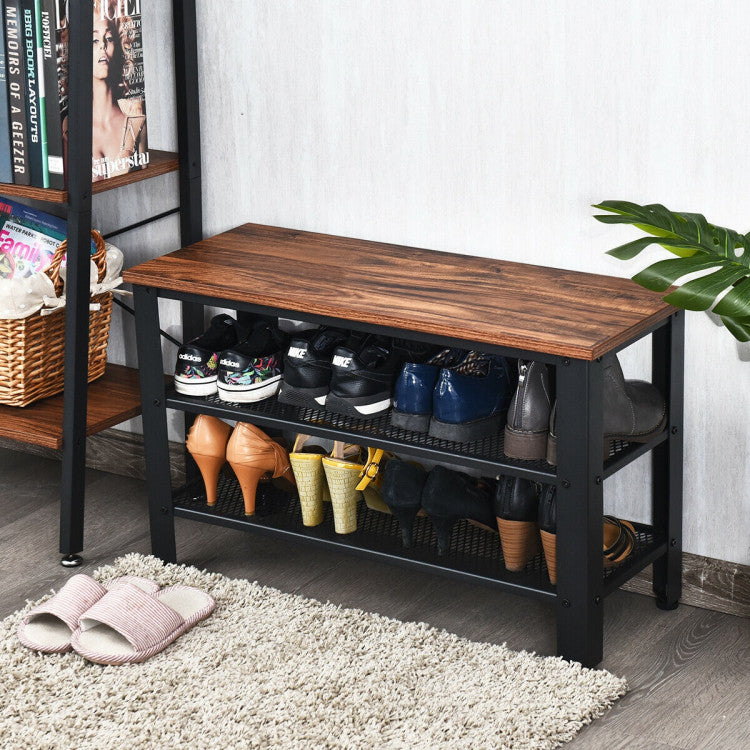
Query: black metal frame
(72, 490)
(582, 582)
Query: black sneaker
(251, 370)
(362, 379)
(198, 360)
(307, 368)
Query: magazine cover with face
(119, 137)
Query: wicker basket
(32, 350)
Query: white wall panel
(489, 128)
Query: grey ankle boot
(528, 414)
(634, 410)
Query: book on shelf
(52, 24)
(35, 62)
(6, 168)
(16, 92)
(37, 129)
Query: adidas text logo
(296, 352)
(339, 361)
(228, 363)
(190, 357)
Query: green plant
(723, 253)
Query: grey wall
(485, 128)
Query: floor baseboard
(708, 583)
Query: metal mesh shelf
(486, 455)
(474, 553)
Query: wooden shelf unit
(112, 399)
(65, 421)
(161, 162)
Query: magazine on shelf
(16, 91)
(119, 90)
(28, 238)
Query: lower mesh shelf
(474, 551)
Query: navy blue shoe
(412, 398)
(470, 400)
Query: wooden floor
(688, 670)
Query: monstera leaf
(723, 256)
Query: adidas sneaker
(195, 372)
(307, 368)
(251, 370)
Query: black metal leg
(72, 485)
(161, 515)
(668, 354)
(188, 121)
(192, 326)
(580, 618)
(188, 138)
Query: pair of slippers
(124, 622)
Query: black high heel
(449, 496)
(516, 509)
(548, 528)
(402, 493)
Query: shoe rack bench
(564, 318)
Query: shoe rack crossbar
(438, 298)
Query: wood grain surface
(565, 313)
(160, 163)
(112, 399)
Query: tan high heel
(253, 455)
(207, 443)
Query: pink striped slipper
(128, 625)
(48, 627)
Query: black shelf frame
(78, 212)
(580, 475)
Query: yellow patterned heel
(343, 476)
(307, 465)
(371, 479)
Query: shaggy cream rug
(273, 670)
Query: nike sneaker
(362, 378)
(307, 367)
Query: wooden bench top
(540, 309)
